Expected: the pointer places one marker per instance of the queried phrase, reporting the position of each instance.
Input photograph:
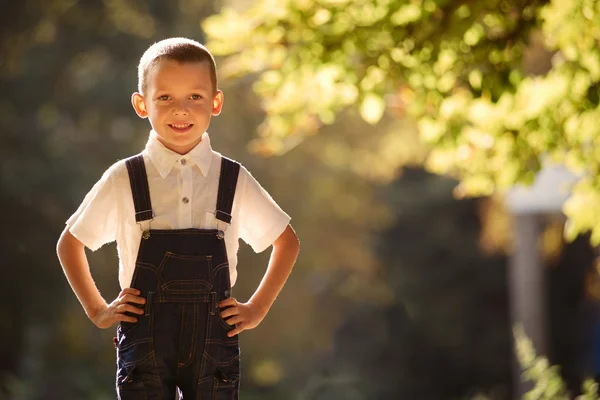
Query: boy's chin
(179, 140)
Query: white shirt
(107, 212)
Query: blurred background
(402, 136)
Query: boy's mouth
(181, 128)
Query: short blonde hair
(176, 49)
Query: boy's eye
(163, 97)
(195, 97)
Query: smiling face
(179, 102)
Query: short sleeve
(95, 221)
(261, 219)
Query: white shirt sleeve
(96, 220)
(261, 219)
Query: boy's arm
(249, 315)
(71, 254)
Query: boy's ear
(217, 103)
(139, 105)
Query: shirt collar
(164, 159)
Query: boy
(177, 211)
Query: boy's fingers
(129, 298)
(128, 307)
(234, 320)
(228, 312)
(231, 301)
(129, 291)
(238, 329)
(126, 318)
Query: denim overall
(181, 340)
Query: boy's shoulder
(222, 158)
(118, 167)
(225, 158)
(117, 172)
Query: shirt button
(185, 200)
(183, 161)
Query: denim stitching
(181, 330)
(191, 257)
(221, 266)
(145, 264)
(224, 323)
(154, 364)
(135, 342)
(166, 286)
(222, 363)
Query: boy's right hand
(109, 314)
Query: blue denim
(181, 340)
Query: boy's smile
(181, 128)
(179, 102)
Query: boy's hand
(110, 314)
(245, 315)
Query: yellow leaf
(431, 130)
(406, 14)
(372, 108)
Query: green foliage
(471, 74)
(548, 383)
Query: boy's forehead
(195, 72)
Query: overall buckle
(145, 232)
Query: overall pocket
(226, 383)
(222, 322)
(223, 378)
(185, 274)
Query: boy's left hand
(245, 315)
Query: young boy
(177, 211)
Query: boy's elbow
(62, 239)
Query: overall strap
(227, 184)
(139, 187)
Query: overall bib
(181, 340)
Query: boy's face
(179, 102)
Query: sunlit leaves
(486, 117)
(548, 384)
(372, 108)
(230, 31)
(473, 35)
(406, 14)
(431, 130)
(583, 211)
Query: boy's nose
(180, 108)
